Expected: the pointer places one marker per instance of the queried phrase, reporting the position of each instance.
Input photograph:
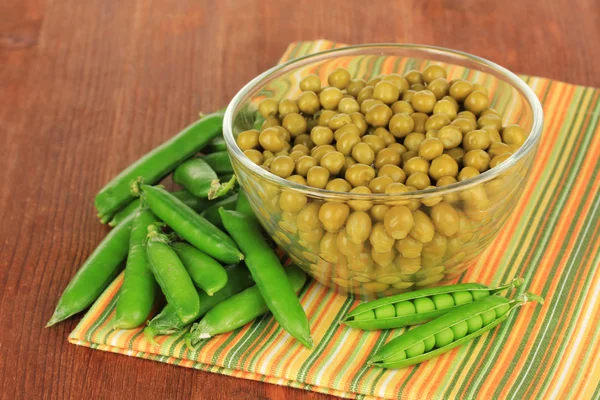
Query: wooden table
(86, 87)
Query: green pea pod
(171, 275)
(219, 162)
(199, 178)
(413, 308)
(100, 268)
(238, 310)
(167, 321)
(130, 209)
(212, 212)
(448, 331)
(136, 296)
(218, 189)
(217, 144)
(226, 177)
(189, 225)
(258, 122)
(268, 274)
(195, 203)
(243, 205)
(206, 273)
(156, 164)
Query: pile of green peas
(392, 134)
(355, 131)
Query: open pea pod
(419, 306)
(448, 331)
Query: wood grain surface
(86, 87)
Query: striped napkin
(552, 240)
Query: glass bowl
(481, 204)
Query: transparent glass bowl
(482, 204)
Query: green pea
(401, 355)
(387, 311)
(488, 317)
(478, 294)
(415, 350)
(503, 309)
(474, 323)
(442, 301)
(424, 304)
(365, 316)
(444, 337)
(459, 330)
(429, 343)
(461, 298)
(405, 308)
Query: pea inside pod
(448, 331)
(421, 305)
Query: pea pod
(189, 225)
(195, 203)
(100, 268)
(206, 273)
(448, 331)
(219, 162)
(258, 122)
(419, 306)
(243, 205)
(156, 164)
(171, 275)
(226, 177)
(268, 274)
(217, 144)
(200, 179)
(137, 293)
(238, 310)
(167, 321)
(212, 212)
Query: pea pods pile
(456, 314)
(175, 243)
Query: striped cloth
(552, 241)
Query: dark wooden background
(86, 87)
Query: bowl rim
(516, 82)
